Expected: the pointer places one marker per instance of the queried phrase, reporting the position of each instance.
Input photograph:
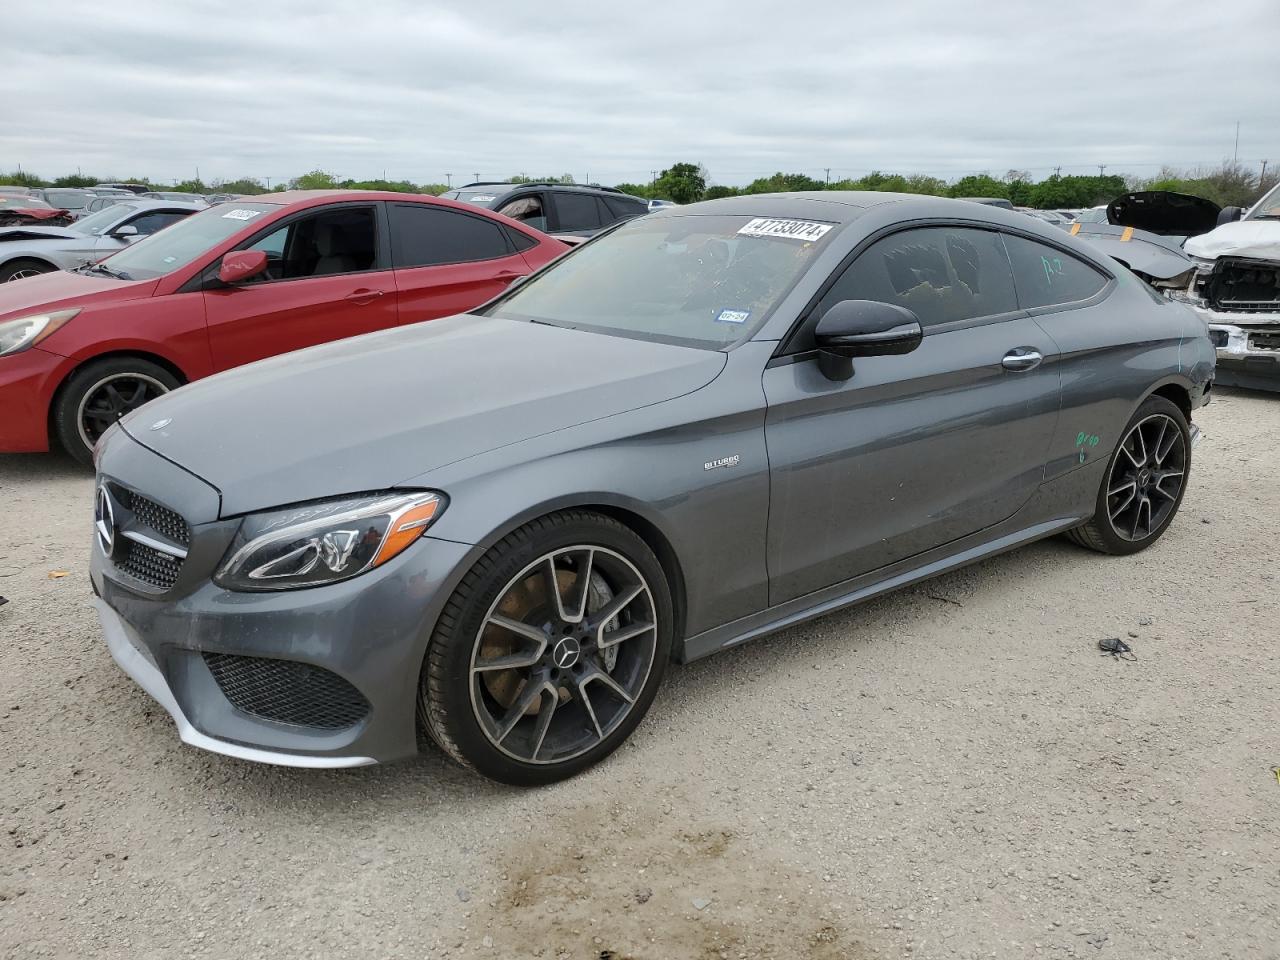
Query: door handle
(1022, 359)
(363, 295)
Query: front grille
(148, 564)
(160, 519)
(153, 521)
(1242, 285)
(287, 691)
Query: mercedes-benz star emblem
(104, 521)
(566, 653)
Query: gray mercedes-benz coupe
(495, 530)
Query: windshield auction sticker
(240, 214)
(805, 230)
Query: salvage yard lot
(951, 771)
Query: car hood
(15, 234)
(1244, 238)
(1148, 254)
(371, 412)
(59, 289)
(1163, 212)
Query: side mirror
(128, 231)
(241, 265)
(863, 328)
(1229, 215)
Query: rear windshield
(703, 281)
(177, 245)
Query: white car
(1236, 289)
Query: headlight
(325, 541)
(18, 335)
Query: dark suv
(560, 209)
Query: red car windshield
(176, 246)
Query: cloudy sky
(417, 90)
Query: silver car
(28, 251)
(495, 530)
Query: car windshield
(30, 203)
(478, 195)
(703, 281)
(68, 199)
(103, 220)
(1268, 208)
(176, 246)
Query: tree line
(1230, 184)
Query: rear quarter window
(1046, 276)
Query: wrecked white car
(1224, 263)
(1235, 287)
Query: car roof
(840, 206)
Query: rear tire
(1144, 484)
(21, 269)
(528, 687)
(101, 392)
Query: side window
(149, 223)
(1047, 276)
(942, 274)
(337, 241)
(424, 236)
(527, 210)
(577, 211)
(621, 208)
(521, 241)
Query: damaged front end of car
(1239, 297)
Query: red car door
(449, 261)
(327, 278)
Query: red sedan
(236, 283)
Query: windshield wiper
(99, 268)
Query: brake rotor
(528, 602)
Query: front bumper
(1246, 357)
(368, 633)
(27, 383)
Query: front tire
(550, 651)
(21, 269)
(1144, 483)
(99, 394)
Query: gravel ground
(952, 771)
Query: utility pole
(827, 170)
(477, 177)
(1235, 153)
(1057, 171)
(268, 179)
(1101, 168)
(449, 180)
(1262, 177)
(653, 177)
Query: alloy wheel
(110, 399)
(1146, 478)
(563, 654)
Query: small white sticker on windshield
(733, 316)
(482, 198)
(805, 230)
(241, 214)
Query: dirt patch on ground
(628, 883)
